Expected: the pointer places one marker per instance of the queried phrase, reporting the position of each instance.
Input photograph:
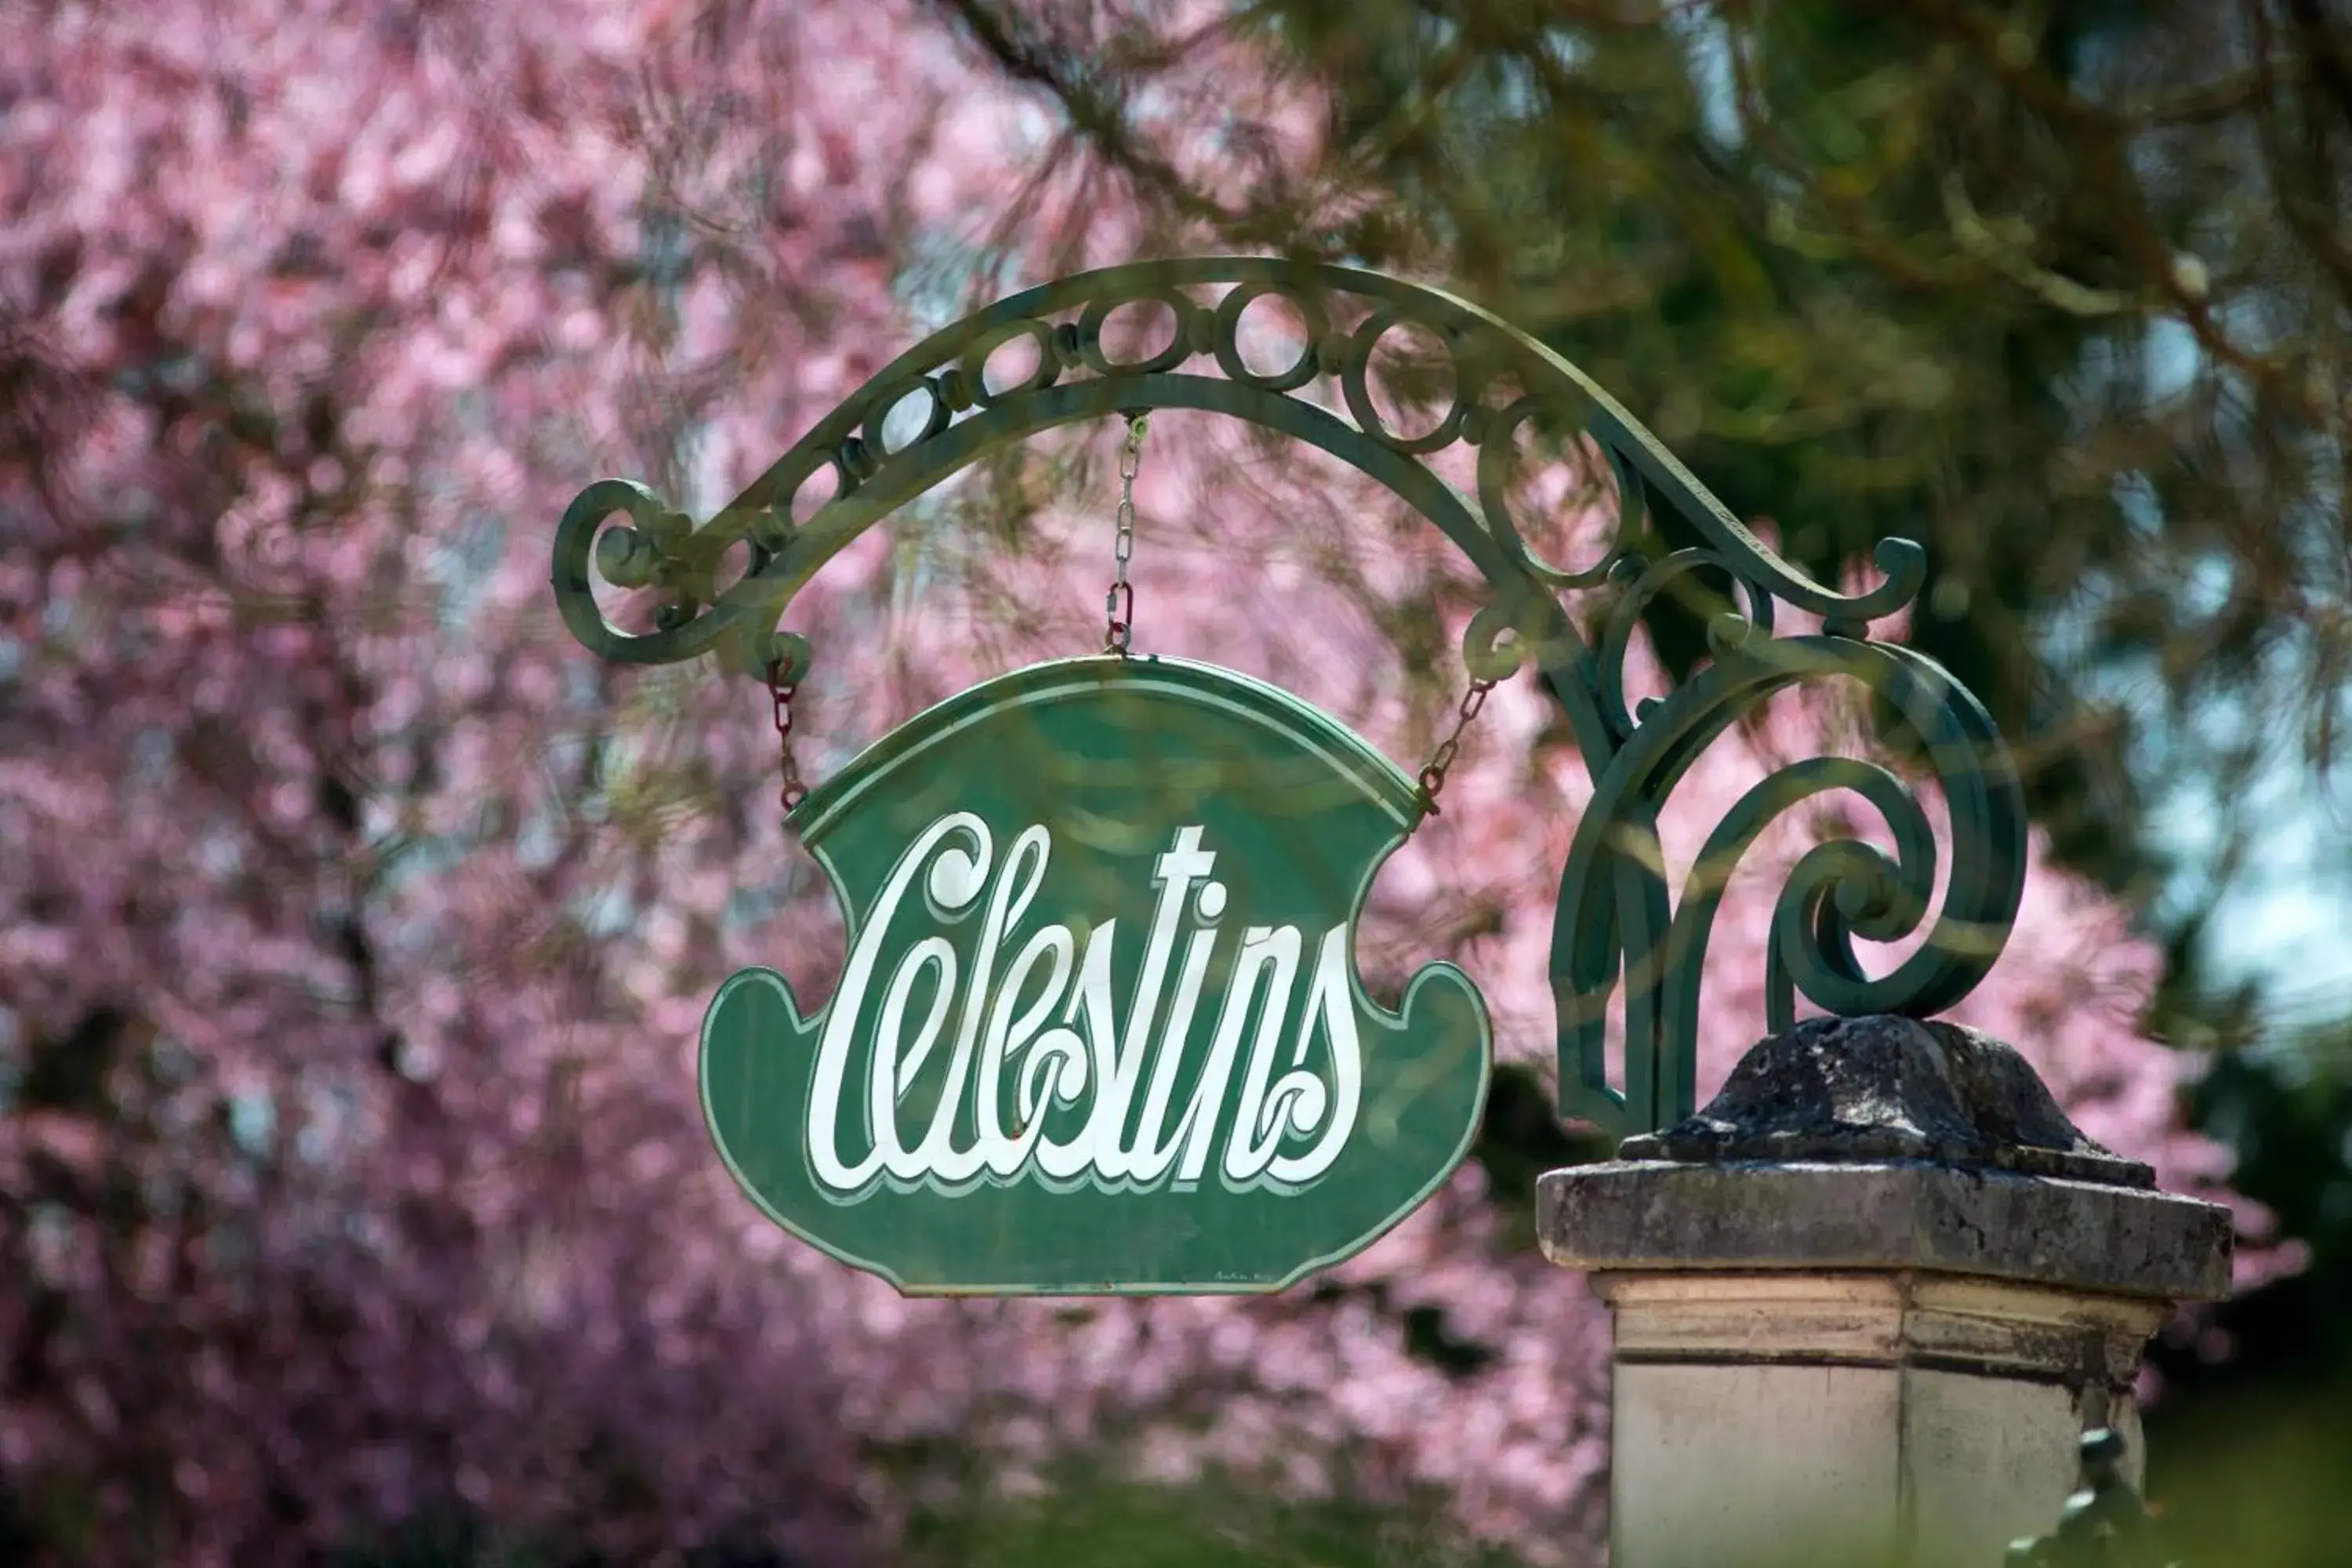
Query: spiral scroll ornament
(935, 410)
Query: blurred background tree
(2059, 287)
(344, 895)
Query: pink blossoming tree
(356, 924)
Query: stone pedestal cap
(1885, 1143)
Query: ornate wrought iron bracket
(933, 411)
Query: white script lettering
(1031, 1033)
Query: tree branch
(1025, 56)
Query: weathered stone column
(1867, 1302)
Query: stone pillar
(1867, 1302)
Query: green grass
(1098, 1521)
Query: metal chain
(784, 667)
(1118, 605)
(1440, 760)
(794, 791)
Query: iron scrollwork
(933, 411)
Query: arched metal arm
(933, 411)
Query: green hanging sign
(1100, 1027)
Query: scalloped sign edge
(1380, 781)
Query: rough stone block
(1866, 1302)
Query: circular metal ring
(1228, 340)
(1355, 376)
(973, 363)
(934, 421)
(1180, 344)
(1496, 455)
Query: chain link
(1118, 605)
(1440, 760)
(794, 791)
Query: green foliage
(2250, 1453)
(1091, 1520)
(1520, 1138)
